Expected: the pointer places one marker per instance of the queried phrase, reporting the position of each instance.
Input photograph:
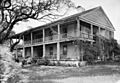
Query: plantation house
(55, 41)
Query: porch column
(31, 51)
(113, 56)
(78, 27)
(31, 38)
(44, 49)
(58, 51)
(99, 30)
(58, 43)
(100, 47)
(43, 35)
(23, 55)
(23, 47)
(91, 35)
(58, 31)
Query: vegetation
(102, 49)
(15, 11)
(8, 67)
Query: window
(65, 50)
(51, 50)
(65, 32)
(50, 35)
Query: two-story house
(55, 40)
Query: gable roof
(96, 15)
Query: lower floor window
(51, 50)
(65, 50)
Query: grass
(46, 74)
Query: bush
(89, 57)
(8, 67)
(43, 61)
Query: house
(55, 41)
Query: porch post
(23, 47)
(99, 30)
(44, 49)
(113, 56)
(100, 48)
(43, 35)
(23, 52)
(78, 27)
(91, 35)
(58, 51)
(79, 34)
(58, 43)
(58, 32)
(31, 38)
(31, 51)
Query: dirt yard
(87, 74)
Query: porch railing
(82, 35)
(86, 36)
(28, 42)
(39, 40)
(63, 36)
(51, 38)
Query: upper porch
(82, 26)
(60, 32)
(68, 31)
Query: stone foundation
(74, 63)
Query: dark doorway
(38, 51)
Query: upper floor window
(64, 32)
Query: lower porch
(56, 51)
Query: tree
(87, 50)
(107, 47)
(14, 11)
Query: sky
(111, 8)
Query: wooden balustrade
(62, 37)
(51, 38)
(40, 40)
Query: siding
(72, 51)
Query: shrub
(43, 61)
(8, 67)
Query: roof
(96, 15)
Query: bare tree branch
(14, 11)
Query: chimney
(80, 9)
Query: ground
(59, 74)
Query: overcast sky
(111, 8)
